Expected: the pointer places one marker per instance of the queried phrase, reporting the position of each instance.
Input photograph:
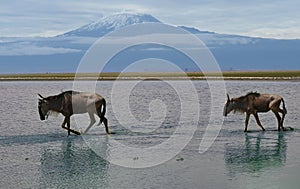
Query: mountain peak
(110, 23)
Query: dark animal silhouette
(72, 102)
(254, 103)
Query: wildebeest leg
(64, 123)
(99, 115)
(106, 125)
(69, 125)
(283, 112)
(67, 121)
(93, 121)
(103, 120)
(275, 107)
(279, 120)
(246, 122)
(258, 121)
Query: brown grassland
(227, 75)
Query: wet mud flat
(37, 154)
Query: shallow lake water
(37, 154)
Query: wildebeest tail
(102, 113)
(283, 106)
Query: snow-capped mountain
(64, 52)
(110, 23)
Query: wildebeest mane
(68, 92)
(253, 93)
(61, 95)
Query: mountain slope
(64, 52)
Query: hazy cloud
(26, 48)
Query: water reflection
(72, 164)
(259, 152)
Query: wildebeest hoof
(110, 133)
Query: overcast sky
(260, 18)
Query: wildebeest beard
(42, 117)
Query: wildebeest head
(229, 106)
(43, 107)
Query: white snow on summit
(111, 23)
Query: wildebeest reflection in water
(257, 154)
(73, 165)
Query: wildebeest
(73, 102)
(254, 103)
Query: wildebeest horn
(228, 97)
(41, 96)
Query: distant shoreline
(227, 75)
